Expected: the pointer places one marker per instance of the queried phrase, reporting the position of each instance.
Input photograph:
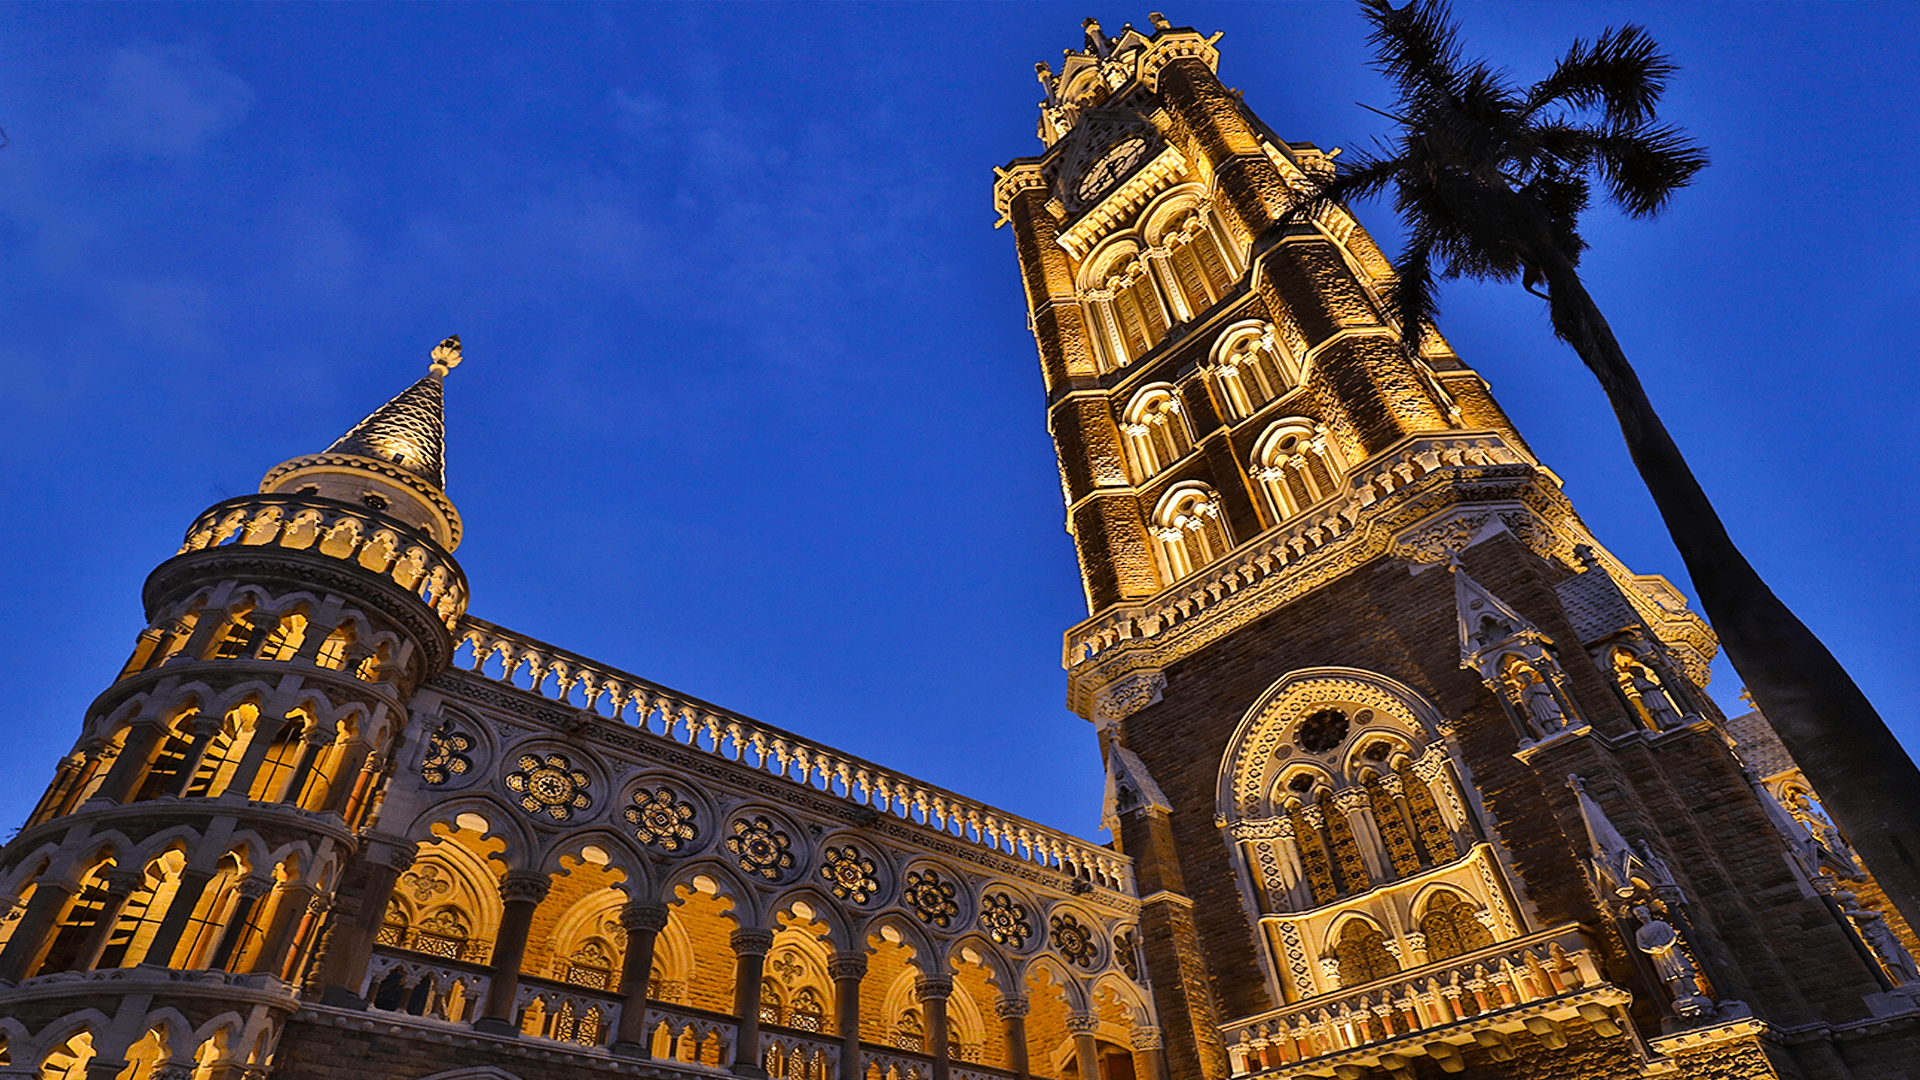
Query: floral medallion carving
(932, 898)
(851, 875)
(1005, 920)
(1126, 949)
(1073, 940)
(425, 882)
(549, 786)
(661, 818)
(447, 758)
(759, 848)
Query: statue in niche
(1880, 938)
(1662, 944)
(1806, 811)
(1537, 699)
(1643, 688)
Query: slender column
(318, 739)
(119, 886)
(643, 923)
(251, 890)
(185, 898)
(750, 964)
(305, 938)
(1082, 1026)
(1358, 809)
(266, 731)
(66, 778)
(356, 922)
(1149, 1058)
(353, 760)
(1160, 263)
(847, 969)
(51, 898)
(520, 893)
(294, 896)
(932, 991)
(203, 727)
(136, 754)
(1012, 1010)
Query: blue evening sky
(750, 407)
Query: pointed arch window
(911, 1032)
(1296, 466)
(285, 640)
(807, 1012)
(1187, 525)
(1452, 927)
(770, 1004)
(1156, 431)
(1362, 954)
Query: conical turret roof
(409, 431)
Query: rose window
(759, 848)
(931, 898)
(1126, 948)
(549, 786)
(661, 818)
(1074, 941)
(1323, 730)
(1004, 920)
(850, 874)
(446, 755)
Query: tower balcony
(1535, 984)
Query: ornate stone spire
(394, 461)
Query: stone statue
(1661, 942)
(1880, 938)
(1536, 697)
(1644, 689)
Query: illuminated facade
(1407, 775)
(1415, 776)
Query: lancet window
(1248, 368)
(1188, 529)
(1296, 466)
(1156, 431)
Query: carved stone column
(520, 893)
(1082, 1026)
(119, 885)
(1012, 1010)
(847, 969)
(1355, 804)
(356, 922)
(251, 890)
(932, 991)
(292, 903)
(750, 966)
(643, 922)
(353, 762)
(1149, 1060)
(51, 898)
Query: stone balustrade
(405, 982)
(1275, 554)
(406, 556)
(1534, 984)
(562, 676)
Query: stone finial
(1159, 21)
(446, 357)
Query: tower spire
(392, 461)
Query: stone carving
(1005, 920)
(549, 786)
(1129, 695)
(1126, 950)
(1880, 938)
(850, 874)
(1073, 940)
(426, 883)
(1645, 691)
(1661, 942)
(931, 898)
(759, 848)
(661, 818)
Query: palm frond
(1623, 72)
(1415, 45)
(1413, 304)
(1644, 166)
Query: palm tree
(1490, 179)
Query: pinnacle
(410, 430)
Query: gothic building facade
(1406, 775)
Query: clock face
(1111, 166)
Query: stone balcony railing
(406, 556)
(1278, 551)
(1534, 984)
(566, 677)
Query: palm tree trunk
(1865, 779)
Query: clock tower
(1409, 765)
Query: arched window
(1452, 927)
(911, 1033)
(1189, 530)
(237, 639)
(393, 924)
(1248, 368)
(1362, 954)
(285, 640)
(1296, 466)
(590, 965)
(446, 931)
(1155, 430)
(807, 1012)
(770, 1005)
(333, 651)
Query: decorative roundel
(1323, 730)
(931, 898)
(446, 758)
(661, 818)
(1074, 941)
(759, 848)
(851, 875)
(1005, 920)
(549, 786)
